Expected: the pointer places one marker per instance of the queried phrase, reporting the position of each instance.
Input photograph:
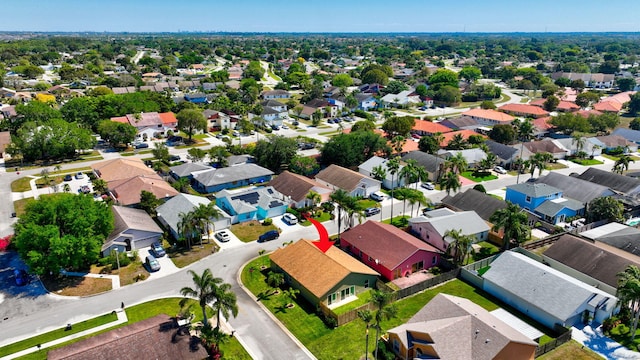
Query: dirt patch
(182, 256)
(76, 285)
(129, 274)
(250, 230)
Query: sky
(321, 16)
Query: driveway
(167, 266)
(595, 340)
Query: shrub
(480, 188)
(267, 222)
(363, 114)
(435, 270)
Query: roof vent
(487, 341)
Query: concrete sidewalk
(122, 318)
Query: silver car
(152, 263)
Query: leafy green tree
(610, 67)
(629, 293)
(513, 222)
(635, 124)
(503, 133)
(218, 155)
(375, 77)
(399, 126)
(587, 98)
(395, 87)
(196, 154)
(470, 74)
(149, 202)
(363, 125)
(275, 152)
(190, 121)
(352, 149)
(204, 289)
(487, 104)
(448, 94)
(634, 104)
(81, 110)
(304, 165)
(443, 77)
(603, 122)
(36, 111)
(342, 80)
(253, 71)
(429, 144)
(422, 90)
(62, 231)
(568, 123)
(626, 84)
(116, 133)
(99, 186)
(605, 208)
(551, 103)
(54, 140)
(181, 184)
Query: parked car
(330, 121)
(68, 178)
(371, 211)
(290, 219)
(223, 236)
(219, 136)
(152, 263)
(141, 146)
(275, 127)
(377, 196)
(79, 175)
(268, 236)
(427, 185)
(295, 123)
(236, 133)
(21, 277)
(416, 136)
(174, 158)
(157, 250)
(499, 170)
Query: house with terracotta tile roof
(332, 278)
(127, 192)
(296, 188)
(355, 184)
(563, 106)
(451, 327)
(608, 106)
(523, 110)
(424, 127)
(389, 250)
(465, 135)
(151, 124)
(489, 117)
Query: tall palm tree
(385, 310)
(417, 197)
(367, 317)
(578, 140)
(353, 207)
(514, 223)
(438, 138)
(379, 173)
(457, 142)
(203, 215)
(204, 289)
(450, 181)
(458, 163)
(594, 148)
(460, 247)
(212, 338)
(225, 303)
(340, 197)
(393, 166)
(314, 198)
(622, 164)
(628, 293)
(188, 227)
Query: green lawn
(347, 341)
(322, 216)
(478, 177)
(587, 162)
(555, 166)
(367, 203)
(21, 185)
(363, 298)
(570, 350)
(250, 230)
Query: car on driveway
(174, 158)
(152, 263)
(223, 236)
(427, 185)
(290, 219)
(68, 177)
(141, 146)
(79, 175)
(377, 196)
(21, 277)
(268, 236)
(499, 170)
(371, 211)
(157, 250)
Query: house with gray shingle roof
(618, 235)
(252, 204)
(544, 294)
(390, 181)
(533, 147)
(545, 201)
(628, 134)
(473, 200)
(133, 229)
(575, 188)
(230, 177)
(169, 213)
(187, 170)
(506, 154)
(430, 162)
(473, 156)
(433, 230)
(620, 183)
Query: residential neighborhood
(333, 196)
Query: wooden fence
(423, 285)
(563, 338)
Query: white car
(377, 196)
(223, 236)
(427, 185)
(499, 170)
(290, 219)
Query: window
(366, 284)
(396, 345)
(434, 260)
(528, 199)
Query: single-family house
(332, 278)
(461, 123)
(275, 94)
(133, 229)
(563, 106)
(614, 142)
(127, 192)
(429, 128)
(434, 230)
(251, 204)
(451, 327)
(389, 250)
(434, 165)
(155, 338)
(628, 134)
(5, 141)
(544, 294)
(121, 168)
(169, 213)
(355, 184)
(230, 177)
(124, 90)
(541, 127)
(594, 263)
(370, 88)
(366, 101)
(296, 188)
(575, 188)
(623, 184)
(368, 168)
(505, 154)
(545, 201)
(543, 146)
(196, 98)
(149, 125)
(233, 160)
(404, 98)
(524, 110)
(489, 117)
(473, 156)
(325, 108)
(447, 137)
(591, 80)
(473, 200)
(273, 112)
(187, 170)
(620, 236)
(217, 120)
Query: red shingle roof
(523, 109)
(430, 127)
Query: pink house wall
(429, 235)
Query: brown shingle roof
(543, 146)
(340, 177)
(385, 243)
(153, 338)
(293, 185)
(318, 272)
(127, 191)
(118, 169)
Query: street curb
(268, 312)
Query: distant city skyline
(321, 16)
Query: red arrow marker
(324, 243)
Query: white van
(378, 196)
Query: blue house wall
(567, 214)
(528, 203)
(223, 203)
(232, 185)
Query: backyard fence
(423, 285)
(563, 338)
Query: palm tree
(460, 247)
(203, 215)
(514, 222)
(393, 166)
(314, 198)
(409, 172)
(353, 207)
(366, 316)
(417, 197)
(225, 302)
(578, 140)
(594, 148)
(628, 293)
(189, 226)
(212, 338)
(398, 143)
(457, 142)
(205, 286)
(385, 310)
(379, 173)
(181, 184)
(622, 164)
(438, 138)
(458, 163)
(275, 280)
(524, 131)
(45, 177)
(450, 181)
(340, 197)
